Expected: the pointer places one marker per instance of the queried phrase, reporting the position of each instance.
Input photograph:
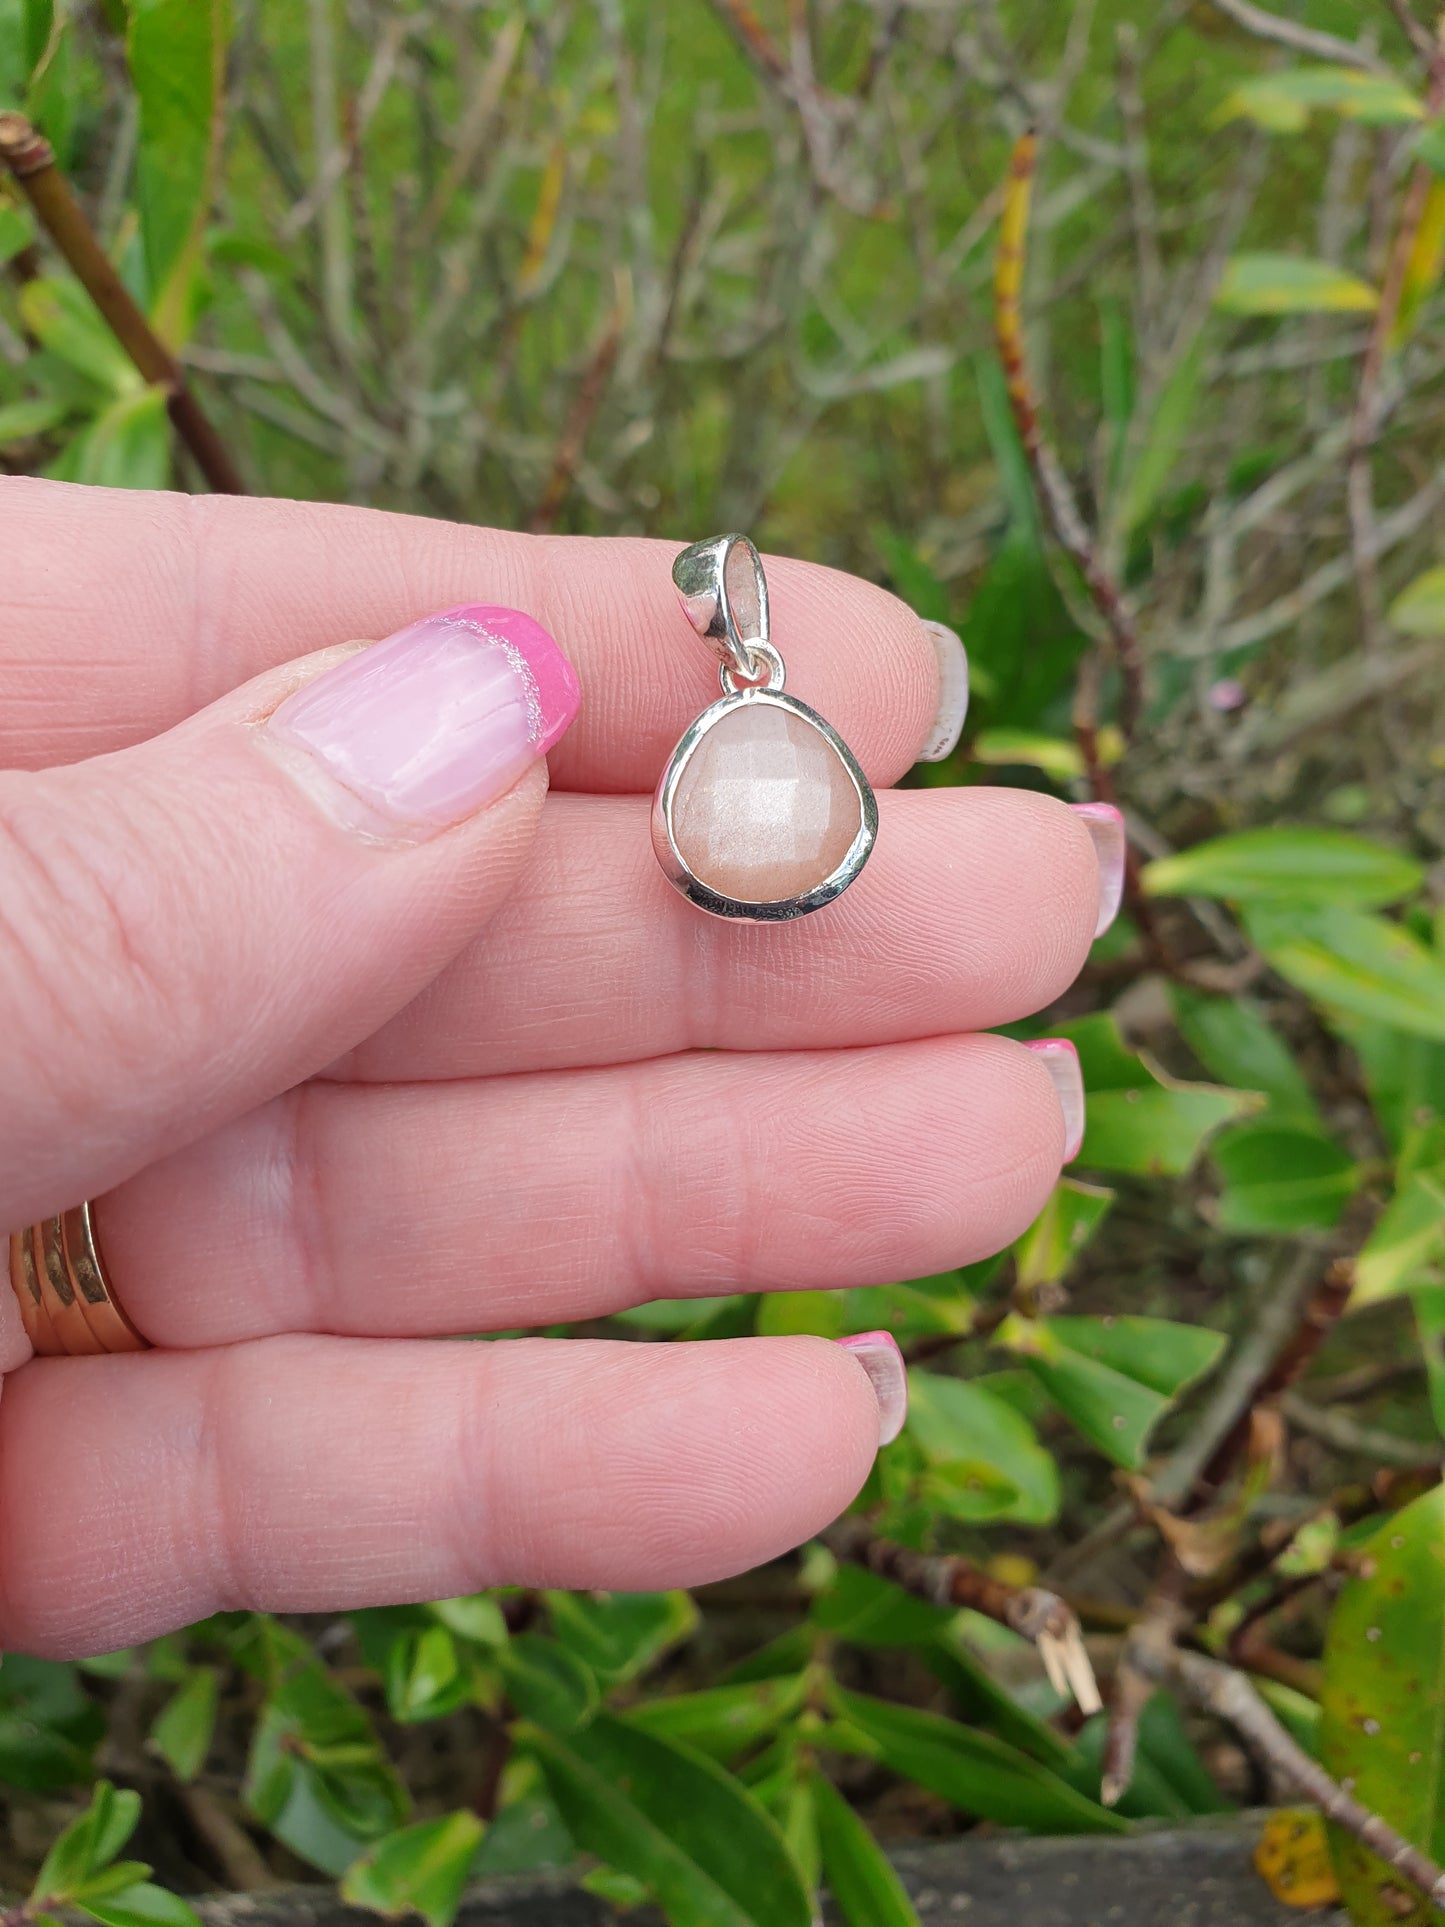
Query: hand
(354, 1074)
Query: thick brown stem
(31, 160)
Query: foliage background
(612, 267)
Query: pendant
(762, 812)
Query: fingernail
(878, 1354)
(1105, 825)
(1061, 1061)
(431, 725)
(952, 693)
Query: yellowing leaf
(1423, 268)
(1293, 1856)
(1419, 610)
(1290, 284)
(1282, 102)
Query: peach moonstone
(764, 808)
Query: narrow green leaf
(1408, 1236)
(1169, 422)
(722, 1721)
(980, 1700)
(476, 1617)
(177, 52)
(1238, 1045)
(788, 1314)
(142, 1905)
(1294, 865)
(1113, 1378)
(1278, 1178)
(1429, 146)
(1419, 610)
(1281, 102)
(675, 1821)
(548, 1684)
(183, 1729)
(16, 231)
(1288, 284)
(62, 318)
(860, 1879)
(1072, 1215)
(22, 419)
(861, 1609)
(1383, 1706)
(1139, 1119)
(421, 1869)
(88, 1843)
(973, 1771)
(619, 1634)
(1429, 1303)
(985, 1448)
(1354, 962)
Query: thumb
(192, 925)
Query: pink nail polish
(1105, 825)
(1061, 1061)
(878, 1354)
(431, 725)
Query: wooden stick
(31, 160)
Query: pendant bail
(724, 594)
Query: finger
(309, 1475)
(191, 925)
(394, 1210)
(170, 600)
(977, 907)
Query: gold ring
(67, 1301)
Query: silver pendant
(762, 811)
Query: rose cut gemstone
(764, 808)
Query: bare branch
(1301, 40)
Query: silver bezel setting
(784, 909)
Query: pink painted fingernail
(1061, 1061)
(431, 725)
(1105, 825)
(878, 1354)
(952, 692)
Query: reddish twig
(31, 160)
(579, 420)
(1051, 484)
(1038, 1615)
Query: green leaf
(475, 1617)
(1351, 961)
(142, 1905)
(981, 1701)
(22, 419)
(1429, 1303)
(183, 1729)
(88, 1843)
(913, 578)
(990, 1459)
(16, 230)
(786, 1314)
(1169, 1781)
(1429, 146)
(423, 1675)
(973, 1771)
(1054, 755)
(1409, 1235)
(863, 1610)
(674, 1820)
(1383, 1704)
(1293, 865)
(619, 1634)
(860, 1879)
(177, 52)
(548, 1684)
(1072, 1215)
(1405, 1075)
(1419, 610)
(722, 1721)
(63, 319)
(1280, 102)
(1288, 284)
(1238, 1045)
(317, 1775)
(127, 446)
(1169, 419)
(1113, 1378)
(1277, 1178)
(1139, 1119)
(421, 1869)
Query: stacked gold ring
(65, 1297)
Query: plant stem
(31, 160)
